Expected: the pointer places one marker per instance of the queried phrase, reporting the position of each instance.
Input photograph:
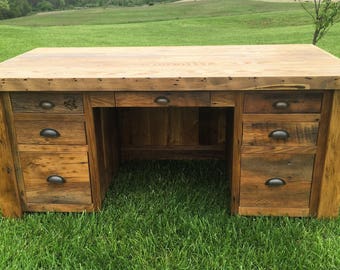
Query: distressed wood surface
(52, 207)
(28, 132)
(10, 203)
(329, 201)
(63, 103)
(148, 99)
(296, 170)
(37, 166)
(298, 102)
(245, 67)
(282, 211)
(300, 133)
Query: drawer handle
(275, 182)
(46, 105)
(49, 133)
(279, 134)
(56, 179)
(281, 105)
(162, 100)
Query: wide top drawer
(288, 102)
(47, 103)
(162, 99)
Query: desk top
(246, 67)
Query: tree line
(17, 8)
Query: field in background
(167, 215)
(206, 22)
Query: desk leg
(330, 186)
(9, 198)
(236, 168)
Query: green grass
(167, 215)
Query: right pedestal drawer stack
(278, 151)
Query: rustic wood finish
(172, 103)
(28, 132)
(236, 155)
(295, 170)
(268, 67)
(165, 133)
(330, 187)
(297, 102)
(147, 99)
(63, 103)
(300, 133)
(94, 152)
(9, 198)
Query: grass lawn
(174, 214)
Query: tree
(324, 15)
(4, 9)
(18, 8)
(4, 4)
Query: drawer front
(50, 132)
(291, 102)
(47, 103)
(56, 178)
(280, 133)
(262, 176)
(162, 99)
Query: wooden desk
(69, 115)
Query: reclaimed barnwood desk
(68, 116)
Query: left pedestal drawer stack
(53, 170)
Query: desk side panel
(9, 198)
(330, 186)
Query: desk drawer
(262, 176)
(162, 99)
(56, 178)
(280, 133)
(50, 132)
(289, 102)
(47, 103)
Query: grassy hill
(167, 215)
(191, 23)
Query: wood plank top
(246, 67)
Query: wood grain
(148, 99)
(173, 152)
(52, 148)
(94, 151)
(10, 204)
(38, 207)
(321, 152)
(222, 99)
(106, 126)
(73, 167)
(236, 154)
(273, 67)
(63, 103)
(28, 132)
(300, 133)
(299, 102)
(37, 166)
(330, 184)
(264, 211)
(103, 99)
(296, 170)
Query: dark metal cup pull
(275, 182)
(281, 105)
(279, 134)
(55, 179)
(162, 100)
(47, 105)
(49, 133)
